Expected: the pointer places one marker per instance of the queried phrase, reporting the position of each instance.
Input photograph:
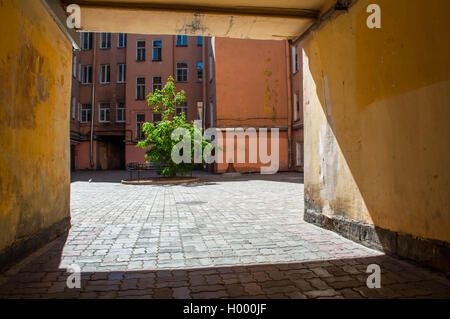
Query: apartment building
(254, 84)
(112, 75)
(229, 84)
(151, 59)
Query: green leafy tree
(158, 136)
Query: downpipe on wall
(289, 94)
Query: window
(140, 51)
(182, 72)
(157, 117)
(85, 113)
(105, 40)
(200, 41)
(104, 73)
(140, 119)
(140, 88)
(74, 66)
(156, 83)
(200, 71)
(157, 47)
(182, 41)
(121, 69)
(86, 40)
(86, 74)
(121, 40)
(296, 107)
(120, 112)
(74, 107)
(103, 112)
(299, 153)
(295, 66)
(180, 108)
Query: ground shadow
(42, 277)
(116, 176)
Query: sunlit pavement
(226, 237)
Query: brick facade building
(243, 86)
(112, 75)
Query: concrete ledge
(426, 252)
(25, 247)
(162, 181)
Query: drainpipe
(289, 94)
(94, 47)
(204, 84)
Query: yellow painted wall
(377, 114)
(35, 75)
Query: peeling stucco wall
(35, 75)
(376, 107)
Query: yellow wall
(377, 111)
(35, 75)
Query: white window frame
(85, 42)
(202, 73)
(141, 49)
(180, 108)
(156, 84)
(121, 70)
(139, 134)
(183, 69)
(74, 107)
(107, 44)
(104, 113)
(105, 69)
(87, 111)
(120, 110)
(137, 88)
(295, 102)
(74, 66)
(121, 40)
(84, 74)
(182, 42)
(295, 60)
(153, 50)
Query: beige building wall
(376, 126)
(35, 80)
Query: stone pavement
(241, 237)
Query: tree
(158, 136)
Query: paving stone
(242, 238)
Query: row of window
(105, 43)
(85, 74)
(85, 112)
(104, 112)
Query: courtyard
(225, 237)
